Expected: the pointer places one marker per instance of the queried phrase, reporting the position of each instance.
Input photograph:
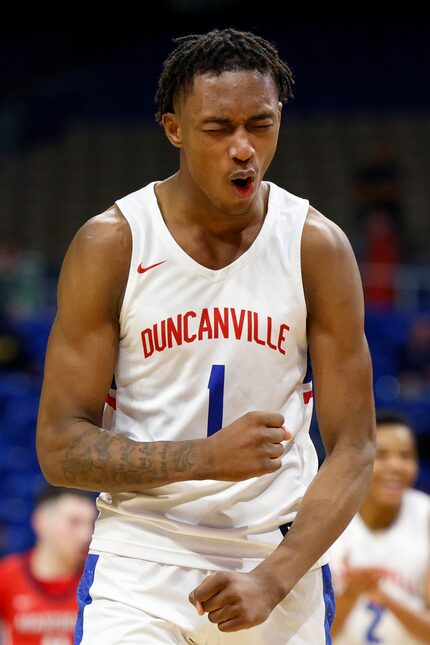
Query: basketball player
(381, 563)
(201, 293)
(38, 587)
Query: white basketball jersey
(403, 550)
(199, 348)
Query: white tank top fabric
(403, 550)
(198, 349)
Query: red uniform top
(36, 612)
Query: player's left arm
(342, 380)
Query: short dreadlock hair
(219, 51)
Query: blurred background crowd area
(77, 132)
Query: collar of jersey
(192, 265)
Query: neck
(45, 564)
(378, 517)
(193, 207)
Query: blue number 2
(377, 612)
(216, 398)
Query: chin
(229, 208)
(241, 209)
(239, 206)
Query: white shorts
(129, 601)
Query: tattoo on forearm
(78, 460)
(100, 458)
(183, 457)
(101, 449)
(164, 470)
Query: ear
(172, 129)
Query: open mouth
(243, 186)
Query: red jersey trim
(111, 401)
(307, 396)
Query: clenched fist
(234, 601)
(249, 447)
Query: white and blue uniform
(198, 349)
(403, 551)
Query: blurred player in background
(38, 587)
(201, 293)
(381, 563)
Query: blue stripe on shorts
(83, 594)
(329, 601)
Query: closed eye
(258, 127)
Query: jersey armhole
(131, 278)
(298, 256)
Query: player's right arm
(72, 448)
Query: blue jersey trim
(308, 375)
(83, 594)
(329, 601)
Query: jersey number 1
(216, 398)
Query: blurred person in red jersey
(38, 587)
(382, 258)
(381, 563)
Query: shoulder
(97, 261)
(329, 267)
(104, 233)
(322, 235)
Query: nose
(241, 148)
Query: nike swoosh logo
(142, 269)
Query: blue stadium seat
(18, 538)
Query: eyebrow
(223, 121)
